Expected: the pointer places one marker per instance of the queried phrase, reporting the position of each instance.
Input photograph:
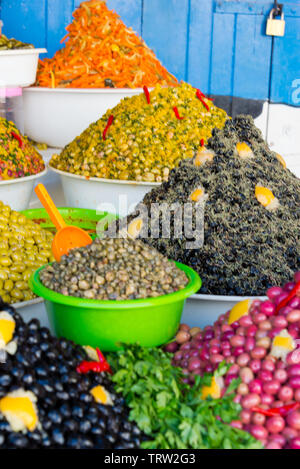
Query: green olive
(21, 285)
(5, 261)
(8, 285)
(17, 294)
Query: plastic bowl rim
(103, 180)
(44, 89)
(28, 51)
(24, 178)
(202, 297)
(193, 285)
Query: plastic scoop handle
(50, 207)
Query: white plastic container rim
(225, 298)
(130, 91)
(22, 51)
(109, 181)
(23, 179)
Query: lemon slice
(18, 407)
(7, 327)
(214, 390)
(240, 309)
(101, 396)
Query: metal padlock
(275, 27)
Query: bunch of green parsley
(170, 412)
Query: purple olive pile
(260, 339)
(46, 403)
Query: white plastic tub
(110, 195)
(17, 192)
(33, 309)
(57, 115)
(18, 66)
(204, 310)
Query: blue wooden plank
(200, 44)
(165, 31)
(285, 86)
(252, 58)
(59, 15)
(255, 7)
(25, 20)
(221, 81)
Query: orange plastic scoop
(67, 237)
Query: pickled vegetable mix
(18, 158)
(100, 51)
(10, 44)
(141, 138)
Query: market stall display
(260, 342)
(24, 246)
(20, 166)
(251, 213)
(18, 158)
(115, 291)
(100, 51)
(143, 137)
(47, 397)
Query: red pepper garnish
(96, 367)
(202, 142)
(291, 295)
(17, 137)
(283, 410)
(109, 122)
(177, 113)
(200, 96)
(147, 94)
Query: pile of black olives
(68, 414)
(249, 244)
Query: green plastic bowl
(86, 219)
(106, 324)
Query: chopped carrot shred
(100, 51)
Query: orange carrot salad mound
(100, 51)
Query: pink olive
(243, 359)
(281, 375)
(245, 416)
(268, 365)
(293, 316)
(275, 424)
(246, 375)
(271, 387)
(285, 393)
(258, 352)
(258, 419)
(259, 432)
(249, 401)
(255, 386)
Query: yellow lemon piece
(18, 407)
(280, 159)
(101, 396)
(203, 156)
(7, 328)
(282, 345)
(197, 195)
(214, 390)
(243, 150)
(240, 309)
(135, 227)
(91, 353)
(266, 198)
(115, 48)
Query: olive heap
(141, 141)
(67, 414)
(24, 247)
(114, 269)
(251, 212)
(260, 340)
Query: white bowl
(110, 195)
(204, 310)
(33, 309)
(17, 192)
(18, 66)
(57, 115)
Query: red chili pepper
(283, 410)
(291, 295)
(109, 122)
(147, 94)
(18, 137)
(177, 113)
(202, 142)
(96, 367)
(200, 96)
